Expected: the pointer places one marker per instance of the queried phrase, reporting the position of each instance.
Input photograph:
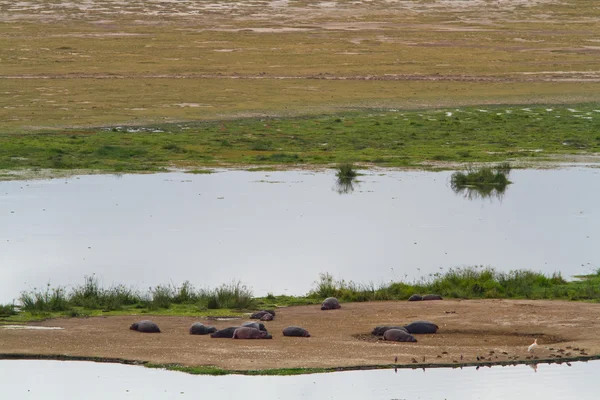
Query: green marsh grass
(234, 299)
(402, 139)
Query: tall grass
(92, 296)
(6, 310)
(466, 283)
(48, 299)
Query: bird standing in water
(532, 346)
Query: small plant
(482, 182)
(6, 310)
(346, 171)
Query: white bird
(532, 346)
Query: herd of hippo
(248, 330)
(258, 330)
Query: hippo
(398, 335)
(145, 326)
(415, 297)
(422, 327)
(224, 333)
(267, 317)
(295, 331)
(432, 297)
(198, 328)
(330, 303)
(255, 325)
(245, 332)
(260, 314)
(380, 330)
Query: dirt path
(339, 338)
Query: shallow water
(276, 231)
(78, 380)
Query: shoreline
(215, 371)
(591, 160)
(497, 331)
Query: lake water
(61, 380)
(276, 231)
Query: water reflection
(145, 230)
(477, 193)
(58, 380)
(481, 183)
(345, 185)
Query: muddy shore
(496, 331)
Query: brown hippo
(255, 325)
(224, 333)
(145, 326)
(415, 297)
(260, 314)
(295, 331)
(432, 297)
(421, 327)
(267, 317)
(398, 335)
(330, 303)
(245, 332)
(380, 330)
(198, 328)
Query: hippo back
(421, 327)
(198, 328)
(398, 335)
(260, 314)
(380, 330)
(145, 326)
(257, 325)
(295, 331)
(432, 297)
(415, 297)
(245, 332)
(330, 303)
(224, 333)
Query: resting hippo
(224, 333)
(245, 332)
(295, 331)
(145, 326)
(432, 297)
(267, 317)
(398, 335)
(260, 314)
(421, 327)
(200, 329)
(330, 303)
(380, 330)
(255, 325)
(415, 297)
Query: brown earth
(340, 338)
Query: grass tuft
(481, 182)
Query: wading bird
(532, 346)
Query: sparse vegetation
(407, 138)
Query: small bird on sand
(532, 346)
(396, 359)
